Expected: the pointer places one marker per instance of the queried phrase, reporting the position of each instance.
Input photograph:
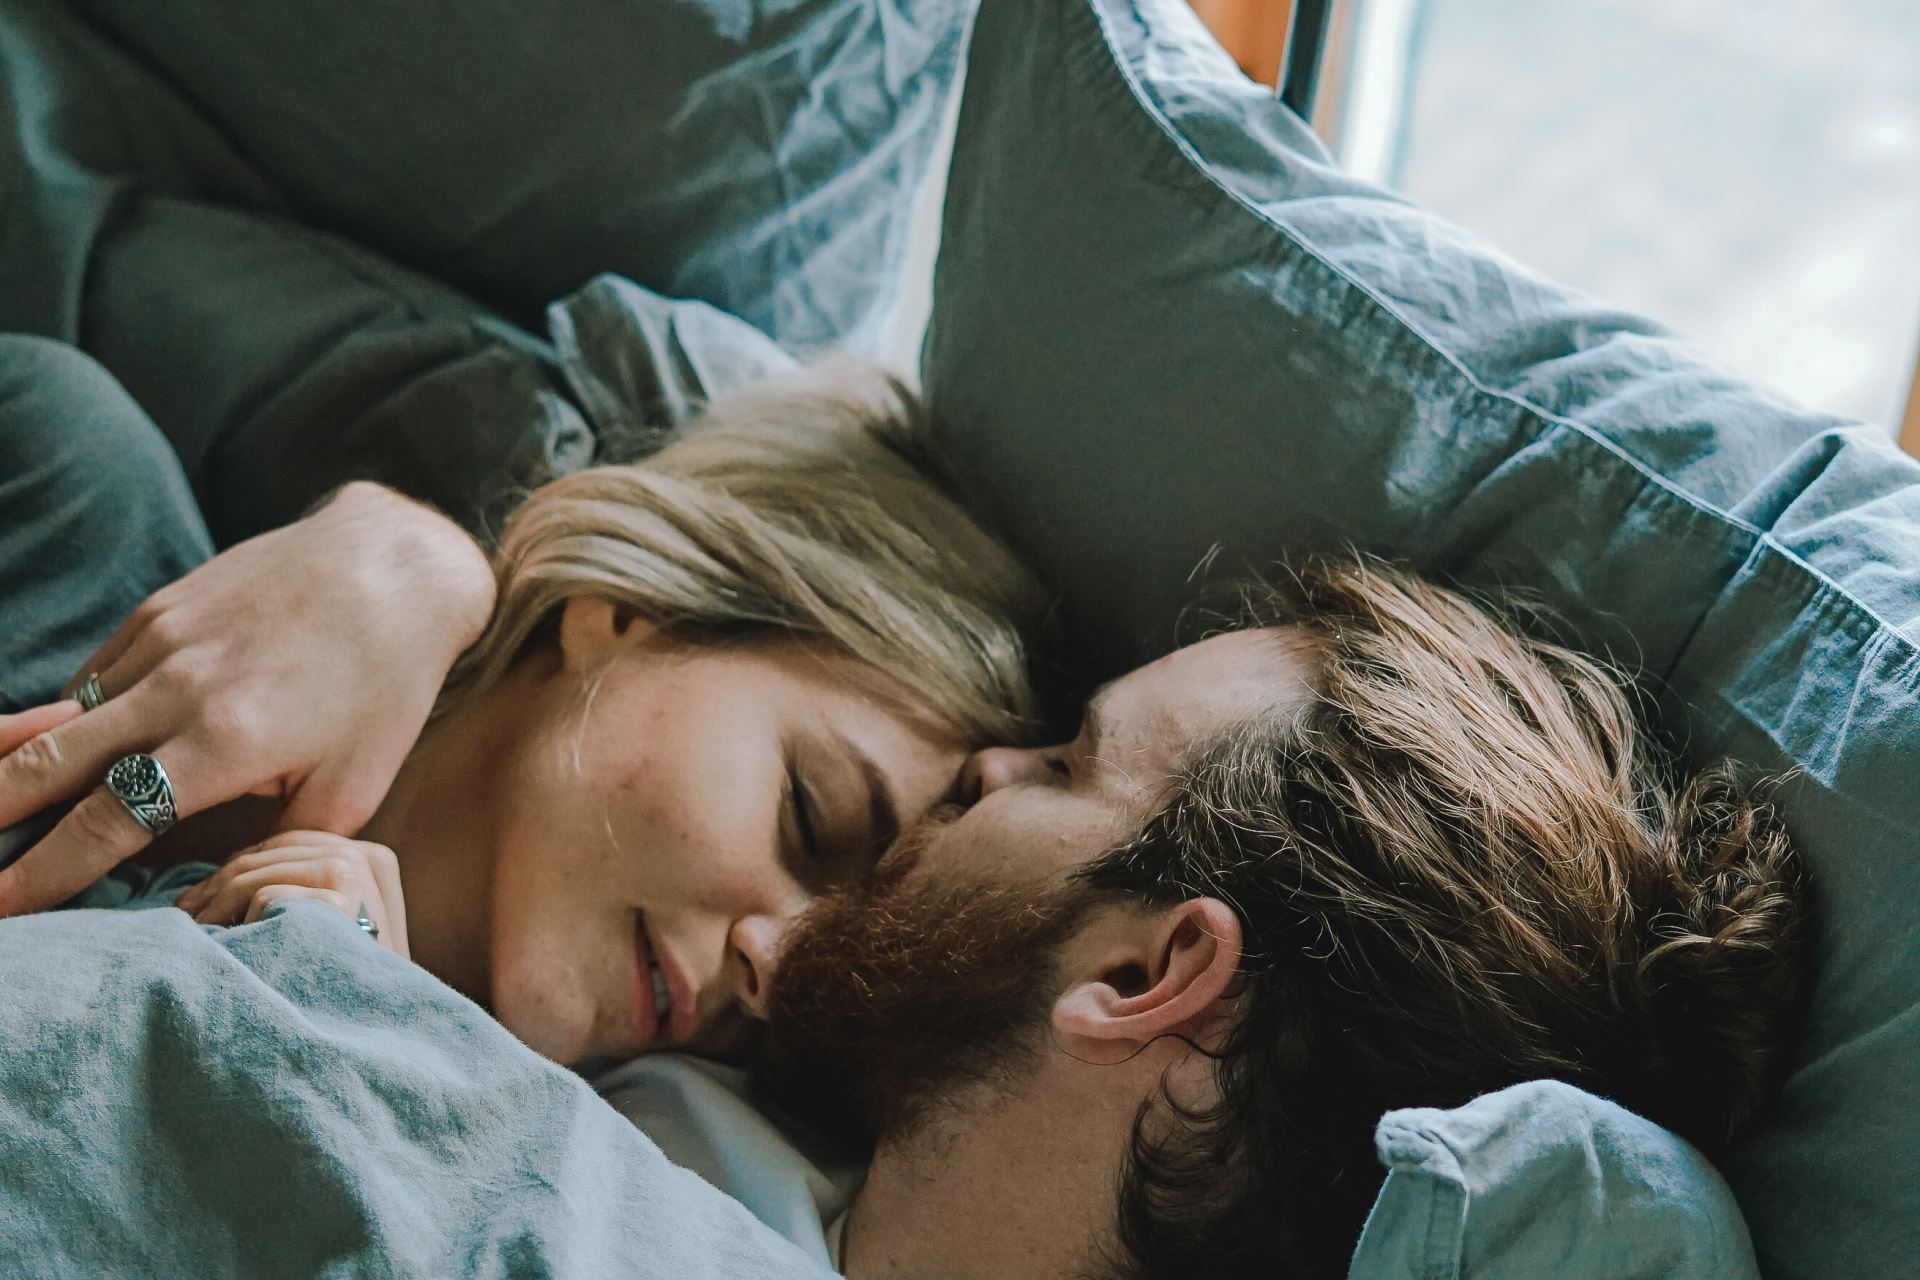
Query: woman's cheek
(542, 1002)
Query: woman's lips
(646, 1019)
(683, 1013)
(655, 1028)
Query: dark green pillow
(759, 156)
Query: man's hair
(1457, 867)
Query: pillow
(1162, 320)
(762, 157)
(282, 362)
(1542, 1179)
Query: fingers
(331, 800)
(267, 895)
(124, 637)
(123, 671)
(347, 875)
(222, 898)
(117, 644)
(61, 762)
(23, 726)
(97, 835)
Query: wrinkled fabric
(703, 1117)
(288, 1098)
(1164, 322)
(279, 361)
(1543, 1179)
(318, 244)
(760, 155)
(94, 515)
(642, 364)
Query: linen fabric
(290, 1098)
(1164, 323)
(703, 1116)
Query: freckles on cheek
(670, 807)
(549, 1011)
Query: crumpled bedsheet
(288, 1099)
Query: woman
(712, 686)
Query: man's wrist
(447, 569)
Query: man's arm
(299, 665)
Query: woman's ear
(593, 631)
(1146, 974)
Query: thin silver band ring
(90, 695)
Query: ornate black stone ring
(139, 783)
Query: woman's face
(667, 811)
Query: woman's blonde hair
(810, 507)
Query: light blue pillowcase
(1544, 1180)
(1163, 320)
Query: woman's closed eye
(841, 812)
(825, 852)
(802, 807)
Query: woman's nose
(992, 768)
(755, 942)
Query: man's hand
(355, 878)
(299, 665)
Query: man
(1134, 1009)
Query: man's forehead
(1196, 691)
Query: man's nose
(992, 768)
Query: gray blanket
(288, 1099)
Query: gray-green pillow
(760, 156)
(282, 362)
(1162, 320)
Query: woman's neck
(441, 819)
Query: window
(1747, 172)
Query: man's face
(938, 972)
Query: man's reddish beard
(891, 999)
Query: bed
(1161, 321)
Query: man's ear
(594, 630)
(1144, 974)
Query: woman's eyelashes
(801, 805)
(824, 852)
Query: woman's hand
(353, 877)
(299, 665)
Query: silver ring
(90, 695)
(140, 783)
(367, 926)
